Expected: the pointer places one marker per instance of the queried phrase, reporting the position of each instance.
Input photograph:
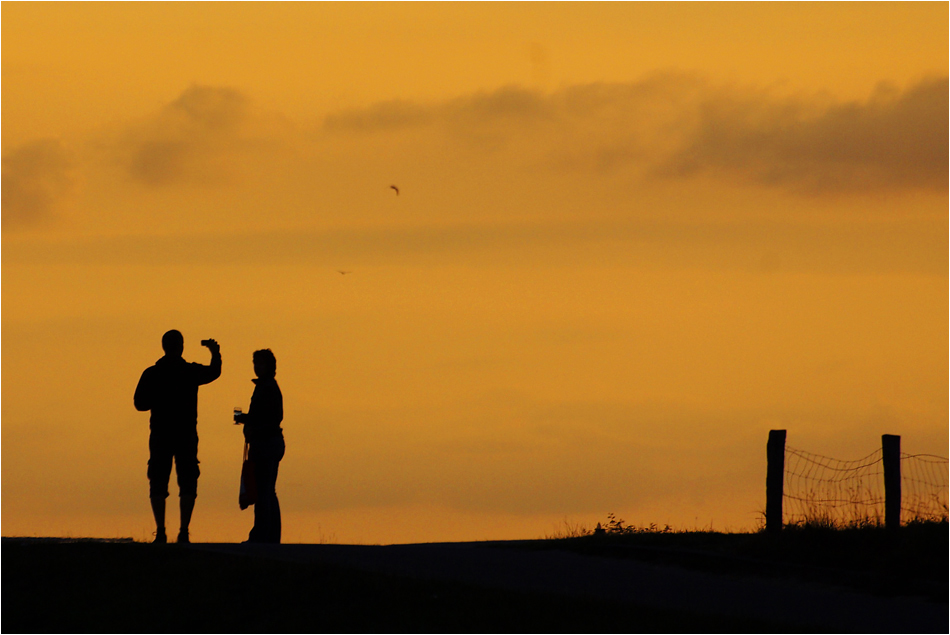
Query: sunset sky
(630, 239)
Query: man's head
(173, 343)
(265, 364)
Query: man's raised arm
(212, 371)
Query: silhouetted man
(170, 390)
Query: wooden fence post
(774, 481)
(891, 448)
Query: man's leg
(158, 510)
(187, 505)
(159, 470)
(186, 467)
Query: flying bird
(395, 188)
(343, 273)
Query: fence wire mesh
(924, 481)
(832, 491)
(823, 489)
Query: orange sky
(630, 240)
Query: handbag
(248, 495)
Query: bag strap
(246, 446)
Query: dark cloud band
(36, 179)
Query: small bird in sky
(343, 273)
(395, 188)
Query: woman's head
(265, 364)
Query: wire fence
(924, 486)
(846, 493)
(820, 488)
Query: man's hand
(212, 346)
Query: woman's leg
(274, 511)
(267, 455)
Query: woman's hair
(266, 362)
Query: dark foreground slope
(912, 562)
(801, 582)
(84, 586)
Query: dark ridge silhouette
(658, 582)
(169, 389)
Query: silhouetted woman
(266, 440)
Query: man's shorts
(183, 447)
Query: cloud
(36, 178)
(577, 126)
(894, 140)
(679, 126)
(392, 114)
(632, 151)
(193, 139)
(610, 103)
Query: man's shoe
(183, 537)
(160, 538)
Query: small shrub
(569, 529)
(616, 527)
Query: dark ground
(98, 587)
(872, 560)
(78, 586)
